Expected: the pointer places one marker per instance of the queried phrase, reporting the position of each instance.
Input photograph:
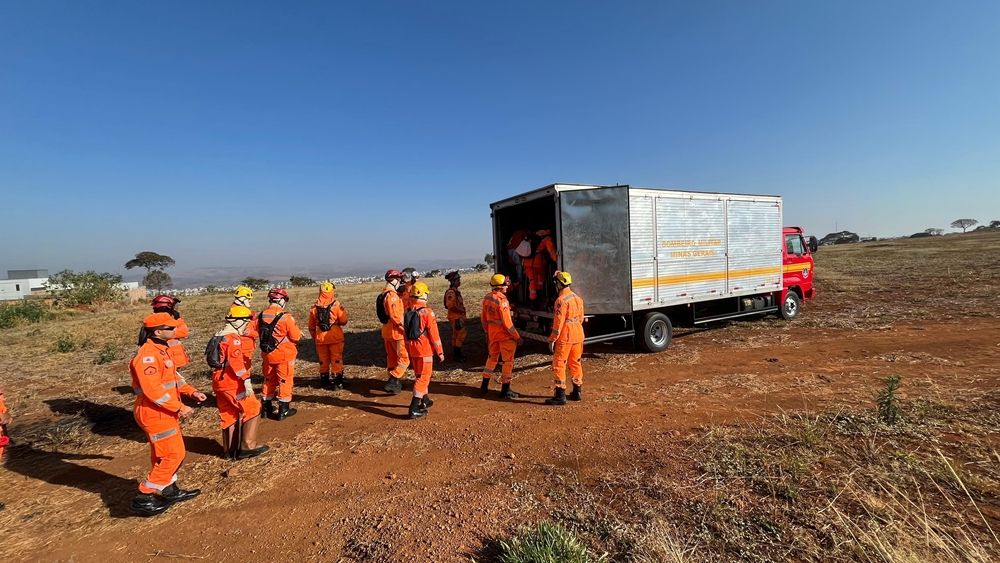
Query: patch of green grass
(887, 402)
(65, 344)
(107, 355)
(22, 312)
(544, 543)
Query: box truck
(645, 259)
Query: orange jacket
(3, 405)
(454, 303)
(155, 381)
(546, 246)
(404, 296)
(393, 330)
(175, 348)
(567, 320)
(429, 343)
(286, 332)
(497, 323)
(338, 318)
(237, 368)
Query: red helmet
(393, 275)
(277, 293)
(167, 301)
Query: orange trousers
(423, 366)
(566, 353)
(458, 332)
(501, 349)
(278, 378)
(236, 405)
(331, 357)
(166, 445)
(397, 360)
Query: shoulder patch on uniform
(148, 360)
(150, 370)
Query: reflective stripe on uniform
(161, 435)
(243, 395)
(154, 486)
(427, 358)
(241, 373)
(171, 385)
(165, 398)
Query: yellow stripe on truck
(796, 267)
(705, 276)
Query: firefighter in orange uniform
(278, 353)
(5, 420)
(566, 340)
(537, 266)
(326, 319)
(239, 408)
(158, 410)
(405, 291)
(168, 304)
(423, 349)
(455, 305)
(242, 297)
(392, 331)
(503, 338)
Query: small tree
(256, 283)
(150, 261)
(963, 224)
(480, 267)
(85, 288)
(490, 259)
(157, 280)
(933, 231)
(301, 281)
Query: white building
(21, 283)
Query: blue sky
(241, 133)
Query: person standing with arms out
(326, 319)
(239, 408)
(389, 308)
(503, 338)
(158, 410)
(278, 335)
(537, 267)
(421, 323)
(566, 340)
(455, 305)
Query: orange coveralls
(567, 334)
(500, 333)
(175, 348)
(536, 267)
(456, 315)
(279, 365)
(3, 431)
(231, 384)
(423, 350)
(158, 388)
(397, 359)
(330, 343)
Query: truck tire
(791, 306)
(655, 332)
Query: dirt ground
(752, 440)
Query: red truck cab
(797, 261)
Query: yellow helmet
(563, 278)
(499, 280)
(327, 287)
(239, 312)
(419, 290)
(244, 291)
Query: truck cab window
(793, 244)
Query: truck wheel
(656, 332)
(791, 306)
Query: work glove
(248, 386)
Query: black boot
(324, 379)
(507, 393)
(457, 354)
(485, 387)
(285, 410)
(427, 402)
(173, 493)
(394, 386)
(269, 408)
(577, 394)
(253, 452)
(149, 505)
(338, 381)
(417, 409)
(559, 398)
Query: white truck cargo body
(689, 247)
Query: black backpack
(383, 315)
(213, 355)
(268, 343)
(323, 316)
(411, 324)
